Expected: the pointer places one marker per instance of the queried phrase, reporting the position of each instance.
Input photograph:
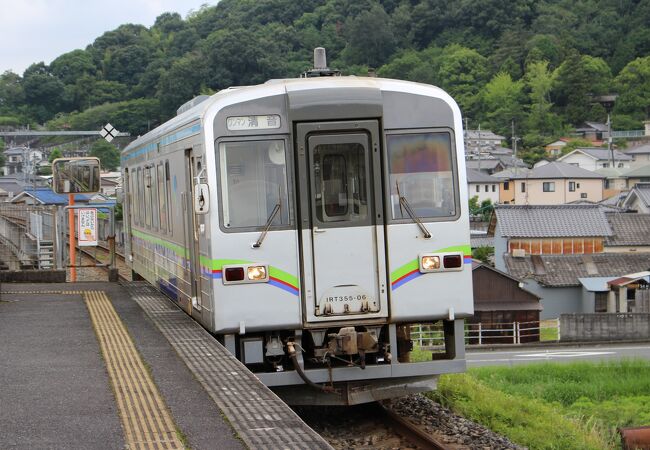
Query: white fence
(431, 336)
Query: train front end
(343, 230)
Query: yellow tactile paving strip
(145, 419)
(146, 422)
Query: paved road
(560, 354)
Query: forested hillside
(534, 62)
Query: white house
(483, 186)
(593, 158)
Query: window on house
(548, 186)
(583, 195)
(572, 186)
(605, 165)
(486, 188)
(578, 185)
(494, 188)
(606, 184)
(523, 187)
(506, 186)
(478, 188)
(620, 165)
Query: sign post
(73, 255)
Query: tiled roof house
(552, 247)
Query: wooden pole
(71, 226)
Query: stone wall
(604, 327)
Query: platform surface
(76, 360)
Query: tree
(12, 94)
(463, 73)
(633, 84)
(181, 83)
(503, 101)
(44, 93)
(54, 154)
(577, 79)
(367, 47)
(70, 66)
(108, 155)
(539, 80)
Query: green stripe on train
(215, 264)
(414, 264)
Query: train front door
(343, 243)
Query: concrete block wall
(604, 326)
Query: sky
(32, 31)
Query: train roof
(284, 86)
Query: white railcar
(307, 223)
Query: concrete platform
(58, 385)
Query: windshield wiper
(407, 206)
(267, 226)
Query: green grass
(553, 406)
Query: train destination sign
(87, 227)
(240, 123)
(75, 175)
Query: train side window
(133, 207)
(141, 196)
(147, 197)
(253, 182)
(169, 197)
(155, 213)
(421, 169)
(162, 197)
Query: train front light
(257, 273)
(429, 263)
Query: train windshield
(253, 183)
(421, 170)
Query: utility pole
(514, 146)
(479, 147)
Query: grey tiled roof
(642, 149)
(640, 172)
(474, 176)
(551, 221)
(642, 191)
(564, 270)
(604, 154)
(486, 164)
(512, 173)
(558, 169)
(628, 229)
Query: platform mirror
(76, 175)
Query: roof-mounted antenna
(320, 66)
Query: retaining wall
(604, 326)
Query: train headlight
(257, 273)
(429, 263)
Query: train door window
(169, 197)
(340, 182)
(147, 197)
(155, 210)
(162, 197)
(253, 183)
(421, 170)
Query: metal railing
(27, 237)
(431, 336)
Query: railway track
(370, 426)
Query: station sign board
(87, 227)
